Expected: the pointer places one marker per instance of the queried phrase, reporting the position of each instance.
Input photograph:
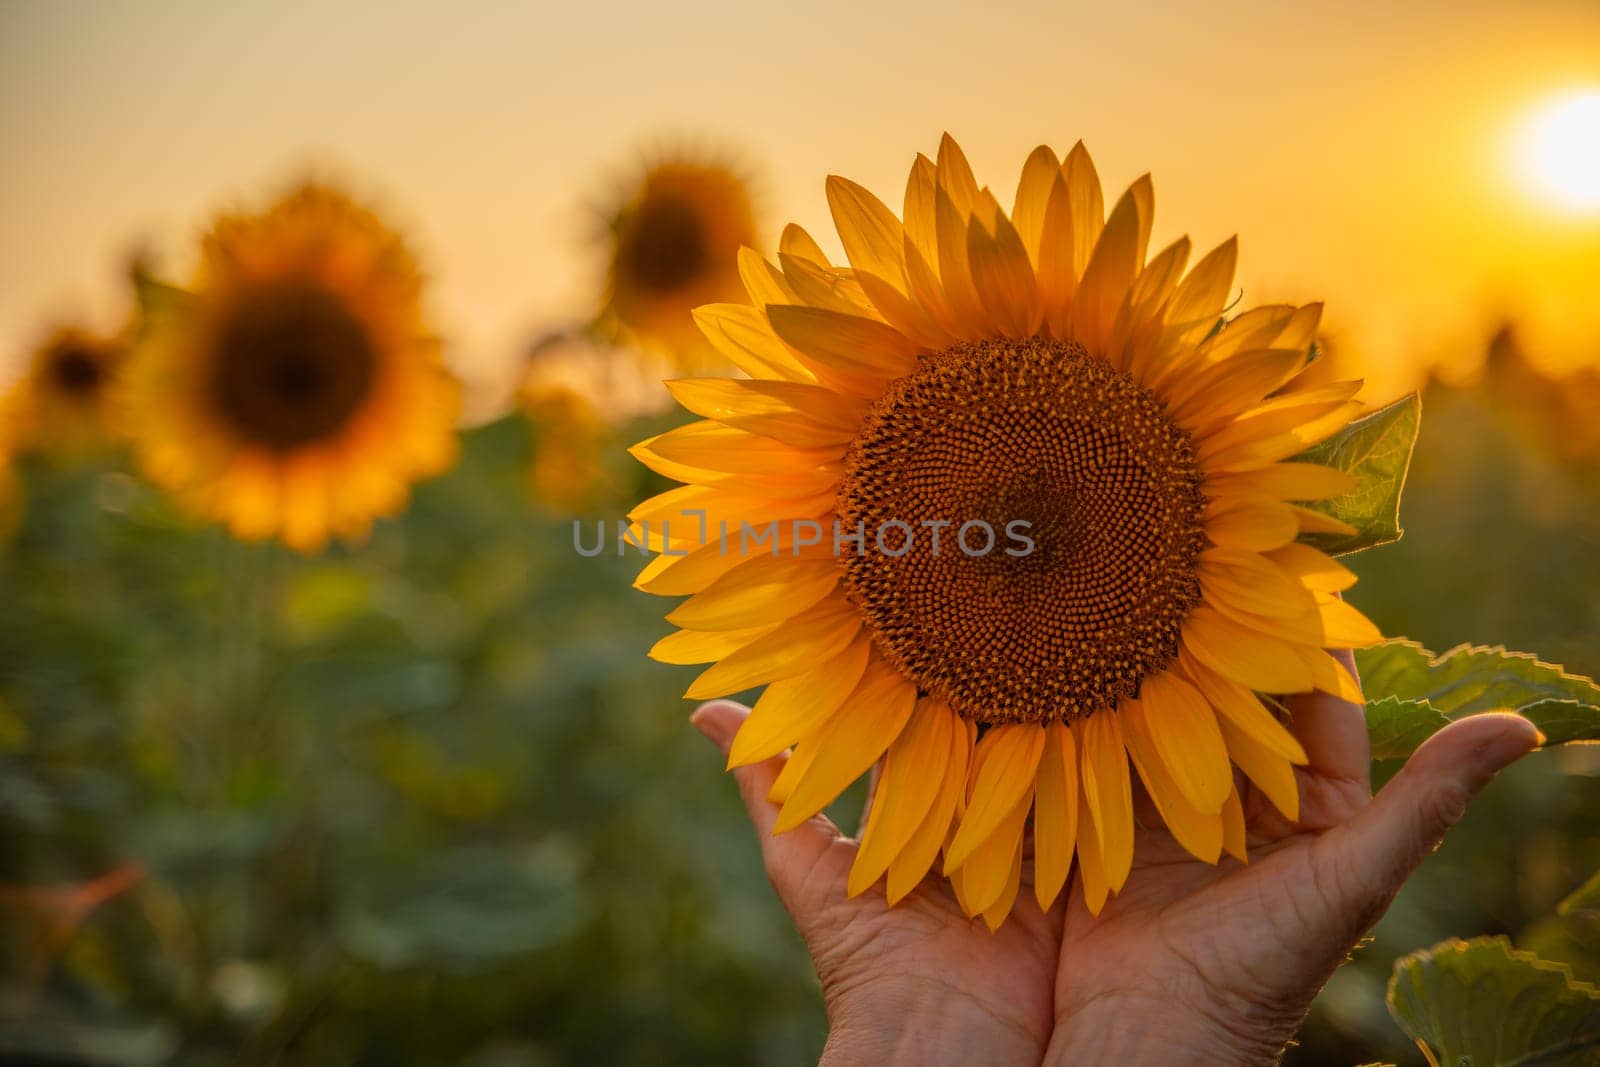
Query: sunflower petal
(757, 591)
(1267, 770)
(874, 240)
(1103, 766)
(1184, 731)
(846, 343)
(906, 790)
(1237, 652)
(851, 742)
(1007, 763)
(1198, 832)
(686, 647)
(793, 708)
(907, 869)
(1055, 814)
(818, 634)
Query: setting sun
(1560, 151)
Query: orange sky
(1362, 151)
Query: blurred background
(422, 798)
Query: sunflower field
(339, 723)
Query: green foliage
(1412, 694)
(1479, 1003)
(1376, 451)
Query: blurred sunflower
(568, 471)
(65, 401)
(977, 366)
(296, 390)
(674, 240)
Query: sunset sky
(1375, 155)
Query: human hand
(917, 984)
(1219, 964)
(1216, 963)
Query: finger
(1362, 864)
(1333, 731)
(785, 855)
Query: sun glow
(1560, 152)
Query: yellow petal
(1313, 521)
(1200, 299)
(818, 634)
(1039, 174)
(798, 243)
(907, 788)
(1234, 651)
(764, 282)
(757, 591)
(692, 646)
(1055, 814)
(805, 416)
(1266, 769)
(794, 708)
(1237, 704)
(1214, 395)
(1345, 627)
(995, 915)
(955, 273)
(989, 867)
(846, 343)
(1091, 868)
(1184, 731)
(1103, 766)
(1287, 481)
(1312, 568)
(1249, 582)
(1111, 270)
(824, 287)
(1008, 757)
(712, 446)
(1331, 676)
(851, 741)
(907, 869)
(1198, 832)
(1003, 277)
(1234, 838)
(1057, 280)
(1086, 206)
(955, 176)
(873, 238)
(1250, 523)
(740, 333)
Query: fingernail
(712, 726)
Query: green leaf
(1411, 694)
(1376, 450)
(1481, 1002)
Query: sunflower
(567, 471)
(1119, 591)
(674, 245)
(65, 400)
(296, 391)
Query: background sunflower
(66, 401)
(296, 389)
(674, 237)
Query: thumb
(787, 856)
(1372, 855)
